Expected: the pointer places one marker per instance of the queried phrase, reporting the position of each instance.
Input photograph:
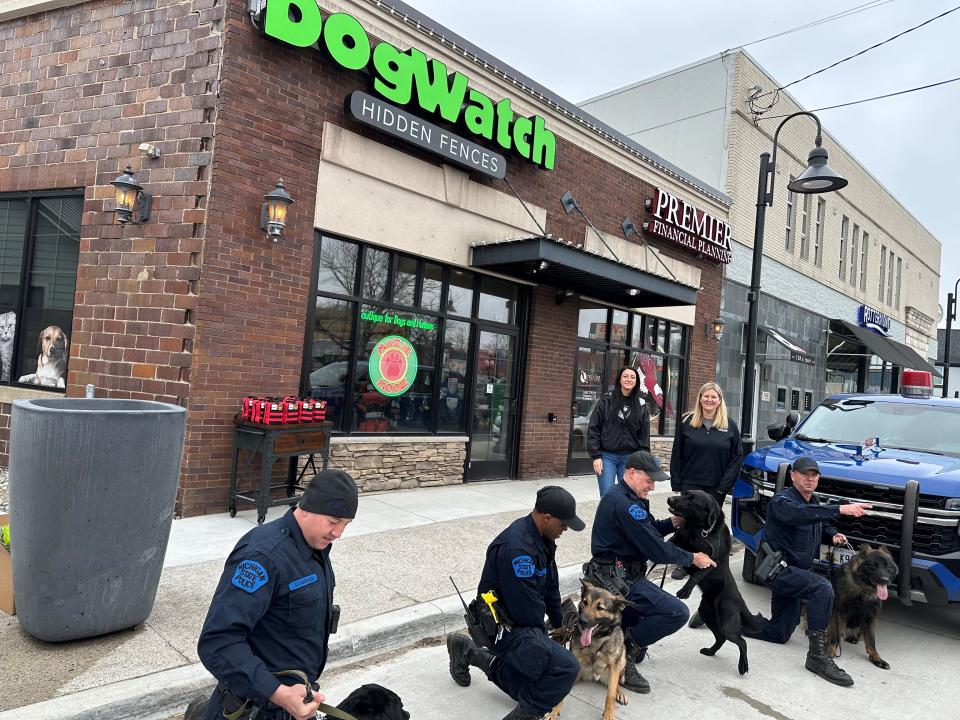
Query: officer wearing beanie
(521, 570)
(625, 537)
(273, 607)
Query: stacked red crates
(282, 411)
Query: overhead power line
(828, 18)
(865, 50)
(871, 99)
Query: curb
(161, 695)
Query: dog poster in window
(52, 352)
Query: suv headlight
(952, 504)
(754, 475)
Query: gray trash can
(93, 484)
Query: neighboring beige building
(826, 256)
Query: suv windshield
(910, 426)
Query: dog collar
(704, 533)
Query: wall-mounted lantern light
(715, 329)
(131, 200)
(273, 213)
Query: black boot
(518, 714)
(632, 679)
(696, 621)
(820, 663)
(463, 653)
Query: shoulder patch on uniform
(250, 576)
(637, 512)
(307, 580)
(523, 566)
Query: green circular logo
(393, 365)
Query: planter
(93, 484)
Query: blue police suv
(900, 453)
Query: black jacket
(797, 526)
(705, 459)
(619, 424)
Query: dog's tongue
(882, 592)
(586, 637)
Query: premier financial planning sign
(409, 79)
(401, 124)
(674, 219)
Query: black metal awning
(565, 266)
(890, 350)
(797, 353)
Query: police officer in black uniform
(521, 570)
(625, 537)
(273, 607)
(796, 524)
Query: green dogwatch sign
(410, 78)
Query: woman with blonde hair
(706, 449)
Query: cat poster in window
(52, 352)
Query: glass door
(589, 384)
(494, 419)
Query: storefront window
(498, 300)
(330, 362)
(650, 333)
(592, 322)
(405, 281)
(460, 293)
(420, 380)
(376, 270)
(432, 286)
(338, 266)
(388, 393)
(618, 327)
(453, 377)
(676, 339)
(671, 395)
(37, 317)
(636, 332)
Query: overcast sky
(910, 143)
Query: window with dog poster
(39, 249)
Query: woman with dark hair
(619, 425)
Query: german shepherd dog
(597, 643)
(721, 606)
(859, 596)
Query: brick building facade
(198, 307)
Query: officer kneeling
(796, 523)
(272, 613)
(625, 536)
(521, 571)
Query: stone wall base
(391, 463)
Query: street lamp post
(951, 316)
(817, 178)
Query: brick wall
(197, 306)
(83, 86)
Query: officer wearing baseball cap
(626, 535)
(521, 570)
(273, 607)
(796, 525)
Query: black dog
(374, 702)
(721, 606)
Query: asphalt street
(922, 645)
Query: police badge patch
(250, 576)
(637, 512)
(523, 566)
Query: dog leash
(327, 710)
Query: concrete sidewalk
(392, 571)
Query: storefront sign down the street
(873, 319)
(682, 223)
(393, 365)
(411, 79)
